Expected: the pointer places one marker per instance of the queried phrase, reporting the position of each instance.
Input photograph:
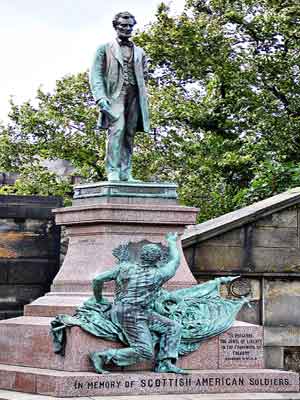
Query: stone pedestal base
(104, 216)
(26, 341)
(73, 384)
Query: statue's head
(123, 23)
(151, 254)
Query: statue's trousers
(137, 324)
(119, 145)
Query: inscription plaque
(239, 347)
(205, 382)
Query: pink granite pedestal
(99, 224)
(26, 341)
(75, 384)
(104, 216)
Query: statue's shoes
(133, 180)
(113, 176)
(129, 178)
(98, 360)
(168, 367)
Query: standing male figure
(118, 85)
(137, 287)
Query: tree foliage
(227, 77)
(225, 104)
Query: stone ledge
(70, 384)
(125, 192)
(235, 219)
(12, 395)
(135, 214)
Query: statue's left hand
(172, 236)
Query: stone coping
(126, 189)
(133, 207)
(143, 193)
(235, 219)
(127, 184)
(141, 214)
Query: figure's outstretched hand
(171, 236)
(226, 279)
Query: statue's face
(124, 28)
(151, 253)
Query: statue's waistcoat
(128, 67)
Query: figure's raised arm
(97, 283)
(170, 268)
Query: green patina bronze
(150, 321)
(117, 82)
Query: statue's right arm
(170, 268)
(97, 79)
(97, 283)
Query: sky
(43, 40)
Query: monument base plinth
(104, 216)
(21, 337)
(75, 384)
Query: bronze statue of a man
(118, 85)
(137, 288)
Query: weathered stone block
(189, 255)
(27, 245)
(33, 207)
(217, 258)
(19, 294)
(251, 315)
(33, 271)
(232, 238)
(292, 359)
(270, 237)
(234, 259)
(282, 302)
(286, 218)
(274, 357)
(29, 248)
(276, 259)
(282, 336)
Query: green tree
(228, 82)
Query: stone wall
(29, 250)
(265, 251)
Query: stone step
(13, 395)
(72, 384)
(26, 341)
(50, 306)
